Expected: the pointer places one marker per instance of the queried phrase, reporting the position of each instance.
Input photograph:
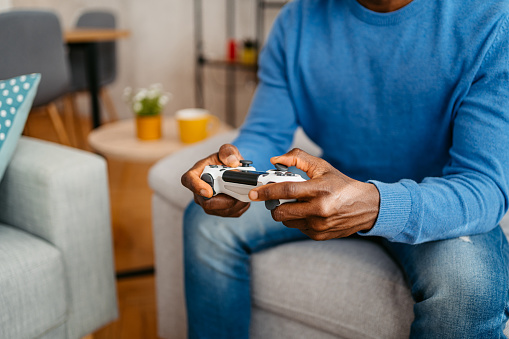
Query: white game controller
(238, 181)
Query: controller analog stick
(245, 163)
(271, 204)
(209, 180)
(281, 167)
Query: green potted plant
(147, 105)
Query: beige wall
(161, 46)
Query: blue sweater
(415, 101)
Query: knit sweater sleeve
(471, 196)
(271, 122)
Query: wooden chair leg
(58, 124)
(78, 124)
(108, 102)
(69, 119)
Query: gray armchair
(294, 293)
(56, 260)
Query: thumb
(313, 166)
(230, 155)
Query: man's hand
(330, 205)
(222, 204)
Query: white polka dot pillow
(16, 96)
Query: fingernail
(231, 160)
(204, 193)
(253, 195)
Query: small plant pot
(148, 127)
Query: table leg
(92, 56)
(140, 272)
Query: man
(409, 101)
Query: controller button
(281, 167)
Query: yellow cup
(196, 124)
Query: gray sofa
(296, 291)
(56, 261)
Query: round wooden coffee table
(118, 140)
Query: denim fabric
(460, 285)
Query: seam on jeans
(506, 269)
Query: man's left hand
(330, 205)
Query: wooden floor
(132, 234)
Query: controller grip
(209, 180)
(272, 204)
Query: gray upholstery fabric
(268, 325)
(348, 287)
(33, 291)
(61, 195)
(167, 228)
(59, 332)
(296, 293)
(31, 42)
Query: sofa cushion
(32, 285)
(16, 96)
(306, 281)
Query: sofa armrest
(61, 195)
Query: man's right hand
(221, 205)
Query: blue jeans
(460, 286)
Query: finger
(301, 224)
(313, 166)
(236, 211)
(230, 155)
(240, 212)
(191, 179)
(220, 202)
(295, 210)
(320, 236)
(284, 190)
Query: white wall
(161, 46)
(5, 4)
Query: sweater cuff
(395, 207)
